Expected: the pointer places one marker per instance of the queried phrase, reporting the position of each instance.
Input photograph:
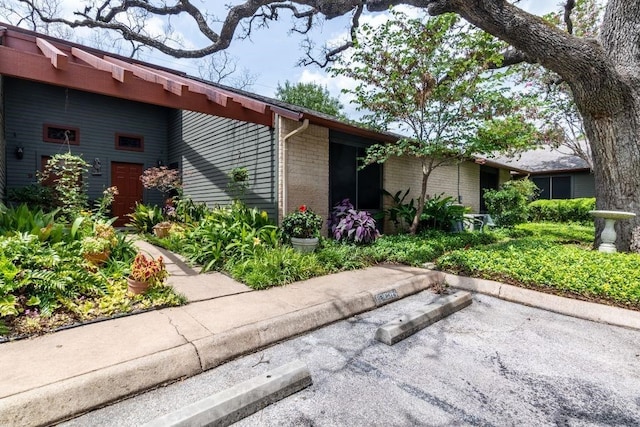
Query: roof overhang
(35, 57)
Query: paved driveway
(494, 363)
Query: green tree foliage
(310, 95)
(429, 78)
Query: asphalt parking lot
(493, 363)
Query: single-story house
(558, 173)
(124, 115)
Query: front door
(126, 176)
(489, 180)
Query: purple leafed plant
(349, 225)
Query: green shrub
(542, 263)
(509, 205)
(22, 219)
(569, 210)
(35, 196)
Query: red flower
(302, 208)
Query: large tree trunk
(604, 77)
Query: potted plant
(96, 250)
(97, 247)
(146, 272)
(161, 229)
(302, 227)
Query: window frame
(46, 138)
(129, 135)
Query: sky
(272, 54)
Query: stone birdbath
(608, 235)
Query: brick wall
(307, 166)
(401, 173)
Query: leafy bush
(509, 205)
(557, 232)
(35, 196)
(349, 225)
(542, 263)
(569, 210)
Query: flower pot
(304, 245)
(96, 258)
(137, 287)
(161, 232)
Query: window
(60, 134)
(553, 187)
(129, 142)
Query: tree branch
(568, 8)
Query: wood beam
(117, 72)
(196, 87)
(170, 85)
(58, 58)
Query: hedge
(569, 210)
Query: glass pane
(544, 185)
(561, 187)
(342, 166)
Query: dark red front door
(126, 176)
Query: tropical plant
(441, 213)
(350, 225)
(401, 214)
(509, 205)
(22, 219)
(233, 231)
(303, 223)
(144, 217)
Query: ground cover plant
(556, 258)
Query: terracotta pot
(96, 258)
(304, 245)
(137, 287)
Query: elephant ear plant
(350, 225)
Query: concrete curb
(241, 400)
(70, 397)
(60, 400)
(407, 325)
(570, 307)
(217, 349)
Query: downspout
(302, 128)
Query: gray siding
(3, 144)
(98, 118)
(210, 147)
(584, 185)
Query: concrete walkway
(57, 376)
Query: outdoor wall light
(19, 153)
(159, 163)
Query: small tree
(429, 78)
(310, 95)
